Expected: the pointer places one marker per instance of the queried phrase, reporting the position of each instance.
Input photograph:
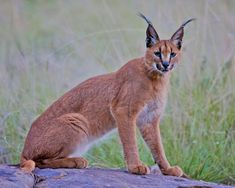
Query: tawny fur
(134, 96)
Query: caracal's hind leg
(57, 142)
(75, 162)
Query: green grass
(47, 47)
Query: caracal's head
(162, 55)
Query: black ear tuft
(151, 34)
(177, 37)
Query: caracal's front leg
(152, 136)
(127, 132)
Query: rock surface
(12, 176)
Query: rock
(12, 176)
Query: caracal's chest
(151, 110)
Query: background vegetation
(48, 47)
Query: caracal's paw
(174, 171)
(81, 162)
(140, 169)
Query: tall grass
(47, 47)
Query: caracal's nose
(165, 64)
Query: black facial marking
(158, 54)
(160, 50)
(159, 67)
(172, 54)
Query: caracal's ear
(177, 37)
(151, 34)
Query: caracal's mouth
(160, 69)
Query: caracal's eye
(158, 54)
(173, 54)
